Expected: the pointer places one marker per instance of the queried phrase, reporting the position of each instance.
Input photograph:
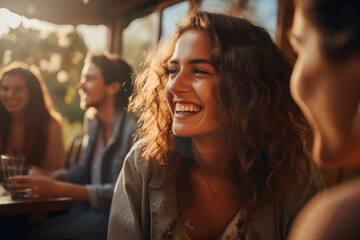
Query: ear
(114, 88)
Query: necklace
(214, 192)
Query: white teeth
(186, 108)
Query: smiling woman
(220, 155)
(14, 95)
(27, 126)
(189, 91)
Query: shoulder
(331, 215)
(339, 199)
(122, 118)
(135, 159)
(146, 169)
(55, 123)
(131, 121)
(124, 126)
(301, 192)
(306, 187)
(311, 182)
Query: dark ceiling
(76, 11)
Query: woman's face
(327, 92)
(190, 89)
(14, 94)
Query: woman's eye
(199, 71)
(172, 71)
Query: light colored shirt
(235, 230)
(143, 209)
(97, 158)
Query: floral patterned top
(236, 230)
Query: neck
(17, 118)
(106, 113)
(212, 154)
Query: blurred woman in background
(28, 125)
(326, 85)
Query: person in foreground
(220, 154)
(38, 136)
(326, 85)
(104, 88)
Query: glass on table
(16, 171)
(10, 160)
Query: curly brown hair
(265, 127)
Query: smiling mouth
(187, 108)
(12, 103)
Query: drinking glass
(10, 160)
(15, 171)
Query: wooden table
(32, 206)
(18, 215)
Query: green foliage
(137, 38)
(60, 61)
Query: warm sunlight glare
(8, 20)
(94, 36)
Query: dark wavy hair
(37, 112)
(338, 23)
(115, 69)
(264, 125)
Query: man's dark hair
(338, 23)
(115, 69)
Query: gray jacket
(141, 209)
(113, 157)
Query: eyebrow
(193, 61)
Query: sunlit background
(58, 51)
(94, 36)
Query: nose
(80, 85)
(179, 84)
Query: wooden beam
(130, 5)
(73, 12)
(115, 36)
